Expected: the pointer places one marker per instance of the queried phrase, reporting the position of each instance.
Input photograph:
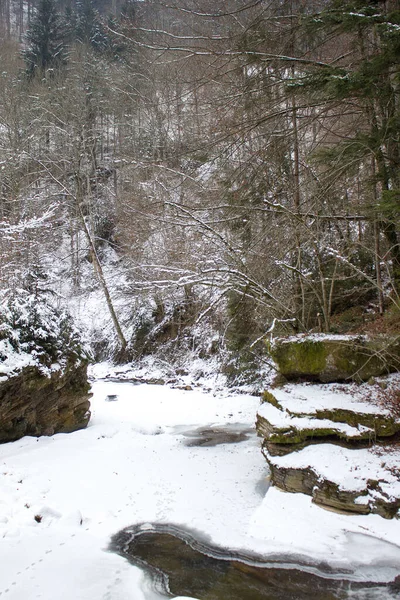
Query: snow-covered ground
(63, 497)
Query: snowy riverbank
(63, 497)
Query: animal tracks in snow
(30, 576)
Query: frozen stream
(180, 564)
(168, 457)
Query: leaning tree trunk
(99, 271)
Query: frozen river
(158, 455)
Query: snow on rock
(359, 473)
(282, 420)
(350, 470)
(297, 415)
(13, 362)
(309, 398)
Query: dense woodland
(217, 170)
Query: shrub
(30, 324)
(389, 399)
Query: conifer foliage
(367, 82)
(46, 52)
(31, 324)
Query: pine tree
(368, 81)
(88, 23)
(92, 31)
(46, 52)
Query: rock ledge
(335, 444)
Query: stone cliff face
(32, 403)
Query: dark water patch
(135, 380)
(180, 564)
(213, 436)
(111, 398)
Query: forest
(213, 173)
(200, 299)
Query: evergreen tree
(46, 52)
(91, 30)
(88, 24)
(367, 82)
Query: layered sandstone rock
(293, 417)
(335, 444)
(352, 481)
(34, 403)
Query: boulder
(43, 364)
(336, 357)
(34, 403)
(334, 478)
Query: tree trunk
(99, 271)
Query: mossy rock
(288, 431)
(320, 434)
(336, 358)
(283, 440)
(381, 425)
(268, 396)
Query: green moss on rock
(270, 398)
(381, 425)
(335, 358)
(285, 438)
(305, 357)
(298, 436)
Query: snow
(318, 337)
(283, 420)
(307, 398)
(13, 361)
(300, 403)
(131, 465)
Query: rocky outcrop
(43, 365)
(331, 443)
(334, 480)
(32, 403)
(285, 430)
(336, 358)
